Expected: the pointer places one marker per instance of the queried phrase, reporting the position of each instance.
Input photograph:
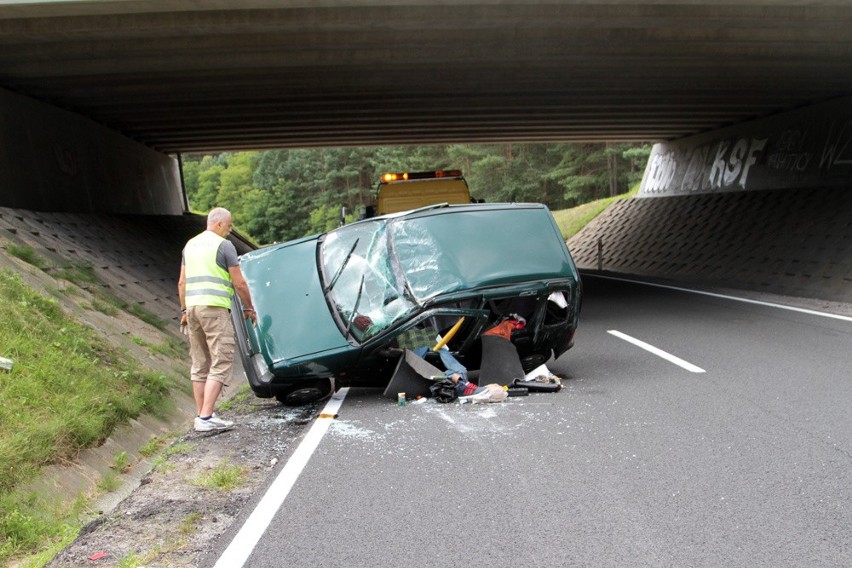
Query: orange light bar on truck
(389, 177)
(394, 177)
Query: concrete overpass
(98, 96)
(207, 75)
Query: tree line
(278, 195)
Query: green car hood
(293, 316)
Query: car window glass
(422, 260)
(444, 253)
(366, 293)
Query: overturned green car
(333, 308)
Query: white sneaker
(212, 424)
(482, 396)
(228, 423)
(222, 421)
(489, 393)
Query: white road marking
(658, 352)
(726, 297)
(247, 538)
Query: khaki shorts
(211, 343)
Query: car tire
(305, 393)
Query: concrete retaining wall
(54, 160)
(792, 242)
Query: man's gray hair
(217, 214)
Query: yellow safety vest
(207, 284)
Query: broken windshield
(356, 266)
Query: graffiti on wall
(807, 148)
(723, 164)
(837, 150)
(66, 160)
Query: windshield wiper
(355, 307)
(342, 266)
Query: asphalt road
(636, 462)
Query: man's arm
(182, 294)
(241, 287)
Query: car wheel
(306, 394)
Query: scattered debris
(540, 379)
(500, 377)
(6, 364)
(489, 393)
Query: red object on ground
(98, 555)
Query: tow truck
(404, 191)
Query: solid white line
(658, 352)
(247, 538)
(726, 297)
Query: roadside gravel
(172, 517)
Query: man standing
(209, 275)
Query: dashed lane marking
(658, 352)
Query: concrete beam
(175, 74)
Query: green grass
(170, 545)
(189, 524)
(571, 221)
(28, 254)
(240, 398)
(161, 462)
(223, 477)
(146, 316)
(79, 273)
(131, 560)
(29, 523)
(172, 347)
(121, 462)
(152, 446)
(109, 482)
(83, 275)
(67, 391)
(104, 306)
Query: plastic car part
(536, 386)
(413, 376)
(500, 362)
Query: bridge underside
(189, 76)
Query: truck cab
(411, 190)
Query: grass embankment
(571, 221)
(68, 390)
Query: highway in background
(740, 457)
